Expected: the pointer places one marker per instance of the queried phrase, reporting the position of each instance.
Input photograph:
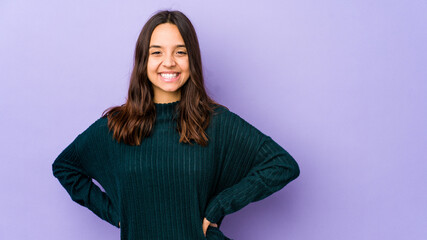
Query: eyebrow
(157, 46)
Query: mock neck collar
(166, 110)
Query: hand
(206, 224)
(119, 224)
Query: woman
(172, 161)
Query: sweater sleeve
(254, 167)
(70, 169)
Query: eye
(182, 53)
(155, 53)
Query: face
(168, 67)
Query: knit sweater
(162, 189)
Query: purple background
(341, 85)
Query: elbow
(56, 169)
(295, 169)
(286, 173)
(292, 169)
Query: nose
(169, 61)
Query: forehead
(166, 35)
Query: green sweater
(162, 189)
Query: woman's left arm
(272, 167)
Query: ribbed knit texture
(162, 189)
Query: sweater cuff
(214, 211)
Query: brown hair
(135, 119)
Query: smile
(170, 77)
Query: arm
(270, 168)
(69, 170)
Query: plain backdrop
(341, 85)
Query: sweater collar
(166, 110)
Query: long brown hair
(135, 119)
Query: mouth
(170, 76)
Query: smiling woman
(172, 161)
(168, 66)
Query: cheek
(185, 65)
(151, 66)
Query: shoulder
(96, 129)
(97, 125)
(101, 122)
(235, 125)
(225, 114)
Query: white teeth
(169, 75)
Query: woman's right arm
(69, 171)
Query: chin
(170, 89)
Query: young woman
(171, 160)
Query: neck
(173, 97)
